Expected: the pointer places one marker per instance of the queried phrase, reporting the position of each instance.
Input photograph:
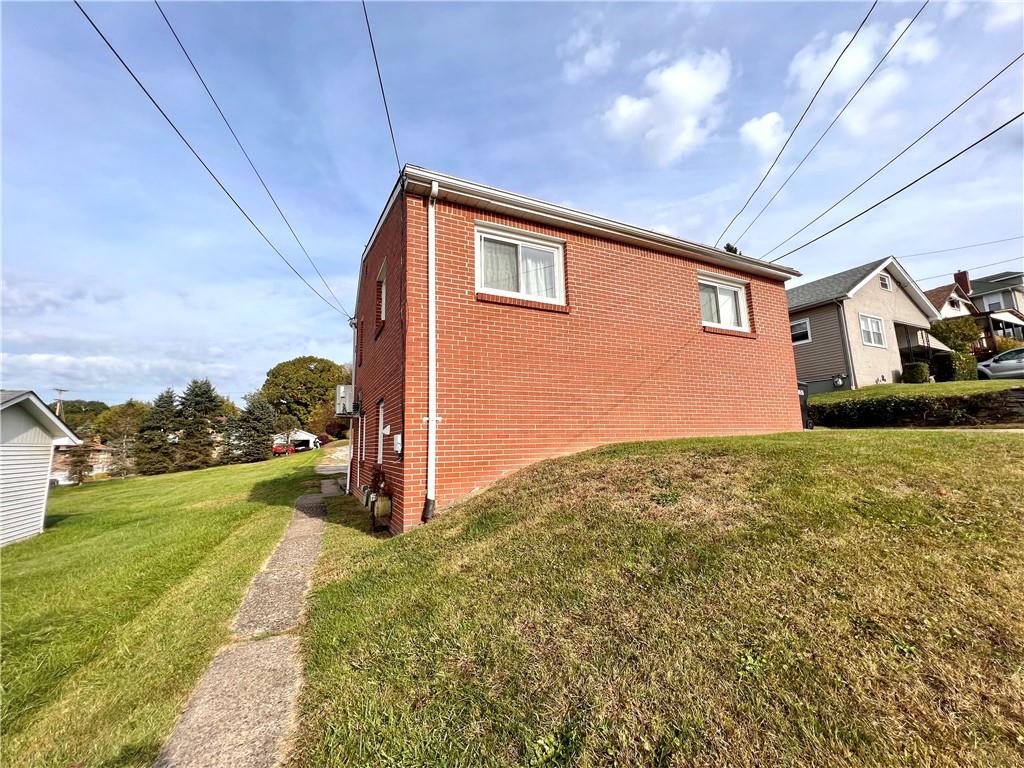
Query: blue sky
(126, 270)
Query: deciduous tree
(118, 427)
(299, 386)
(957, 333)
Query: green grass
(112, 614)
(818, 599)
(939, 389)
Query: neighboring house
(951, 301)
(860, 326)
(493, 330)
(299, 438)
(28, 430)
(100, 459)
(998, 302)
(1003, 290)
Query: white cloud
(868, 112)
(680, 111)
(766, 133)
(584, 55)
(953, 9)
(650, 60)
(1004, 14)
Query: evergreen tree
(155, 447)
(80, 458)
(199, 419)
(249, 435)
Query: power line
(802, 116)
(895, 157)
(834, 121)
(978, 266)
(380, 80)
(251, 164)
(200, 159)
(961, 247)
(905, 187)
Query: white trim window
(723, 303)
(520, 265)
(872, 331)
(800, 331)
(885, 281)
(382, 289)
(380, 432)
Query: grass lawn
(818, 599)
(112, 614)
(939, 389)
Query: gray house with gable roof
(860, 327)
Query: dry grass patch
(807, 600)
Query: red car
(280, 449)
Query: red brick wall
(380, 359)
(629, 359)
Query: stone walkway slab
(241, 712)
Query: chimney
(963, 280)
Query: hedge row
(956, 366)
(1003, 407)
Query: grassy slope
(940, 389)
(112, 614)
(806, 599)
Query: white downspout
(353, 456)
(430, 502)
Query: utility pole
(60, 400)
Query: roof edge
(60, 431)
(418, 181)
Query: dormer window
(954, 303)
(885, 281)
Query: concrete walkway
(242, 712)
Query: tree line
(200, 428)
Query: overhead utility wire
(897, 156)
(978, 266)
(200, 159)
(249, 159)
(834, 121)
(960, 247)
(380, 80)
(905, 187)
(802, 116)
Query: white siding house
(28, 430)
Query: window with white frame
(723, 303)
(520, 265)
(992, 303)
(800, 330)
(382, 294)
(872, 331)
(380, 432)
(885, 281)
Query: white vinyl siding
(24, 484)
(522, 266)
(800, 331)
(872, 331)
(723, 303)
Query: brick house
(492, 330)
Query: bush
(957, 333)
(1004, 344)
(922, 410)
(956, 366)
(915, 373)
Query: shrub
(1004, 344)
(957, 333)
(915, 373)
(999, 407)
(956, 366)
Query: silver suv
(1005, 365)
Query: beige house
(860, 327)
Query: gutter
(430, 503)
(421, 181)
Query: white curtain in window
(729, 306)
(538, 275)
(708, 303)
(501, 265)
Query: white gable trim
(906, 282)
(57, 428)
